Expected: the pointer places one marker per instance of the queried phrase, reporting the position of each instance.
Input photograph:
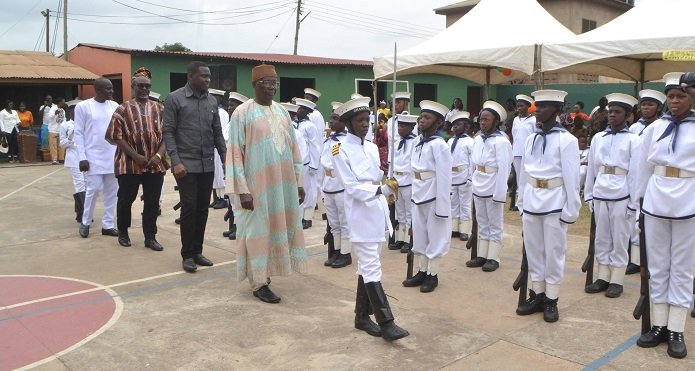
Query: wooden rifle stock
(642, 307)
(588, 266)
(521, 282)
(329, 240)
(472, 243)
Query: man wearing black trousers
(191, 130)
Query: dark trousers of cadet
(128, 186)
(194, 193)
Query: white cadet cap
(290, 107)
(216, 92)
(525, 98)
(154, 95)
(461, 115)
(313, 92)
(497, 108)
(305, 103)
(335, 105)
(237, 97)
(652, 95)
(353, 106)
(673, 80)
(549, 96)
(434, 107)
(624, 100)
(407, 119)
(401, 95)
(356, 95)
(74, 102)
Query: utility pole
(296, 25)
(65, 30)
(47, 14)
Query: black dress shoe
(113, 232)
(189, 265)
(455, 234)
(490, 265)
(653, 337)
(476, 262)
(415, 280)
(396, 246)
(201, 260)
(463, 237)
(513, 208)
(534, 304)
(614, 290)
(266, 296)
(153, 244)
(431, 283)
(123, 238)
(632, 268)
(406, 248)
(364, 323)
(596, 287)
(550, 312)
(220, 204)
(330, 260)
(343, 260)
(676, 345)
(391, 332)
(306, 224)
(84, 230)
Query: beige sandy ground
(208, 320)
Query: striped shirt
(141, 127)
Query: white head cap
(624, 100)
(335, 105)
(652, 95)
(313, 92)
(237, 97)
(525, 98)
(461, 115)
(356, 95)
(216, 92)
(74, 102)
(497, 108)
(353, 106)
(434, 107)
(152, 95)
(290, 107)
(673, 80)
(549, 96)
(407, 119)
(305, 103)
(401, 95)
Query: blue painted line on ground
(612, 354)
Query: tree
(175, 47)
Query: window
(588, 25)
(293, 87)
(364, 87)
(424, 91)
(177, 80)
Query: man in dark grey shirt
(191, 130)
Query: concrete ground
(166, 319)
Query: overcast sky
(355, 29)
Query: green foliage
(175, 47)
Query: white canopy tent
(630, 46)
(485, 38)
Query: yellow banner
(678, 55)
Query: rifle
(588, 265)
(521, 282)
(178, 204)
(229, 216)
(642, 307)
(329, 241)
(410, 258)
(472, 243)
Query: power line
(362, 23)
(43, 27)
(55, 28)
(339, 22)
(21, 18)
(211, 11)
(281, 28)
(171, 23)
(283, 4)
(396, 22)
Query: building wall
(105, 63)
(571, 12)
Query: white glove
(630, 213)
(590, 204)
(386, 190)
(313, 172)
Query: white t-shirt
(8, 120)
(91, 121)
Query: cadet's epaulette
(335, 149)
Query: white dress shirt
(91, 121)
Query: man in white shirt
(57, 153)
(48, 111)
(92, 118)
(67, 143)
(524, 124)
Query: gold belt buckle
(609, 170)
(455, 169)
(672, 172)
(481, 168)
(542, 183)
(329, 173)
(417, 176)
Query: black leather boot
(550, 312)
(534, 304)
(363, 310)
(653, 337)
(415, 280)
(342, 260)
(431, 283)
(476, 263)
(596, 287)
(676, 345)
(382, 312)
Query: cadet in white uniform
(235, 99)
(317, 118)
(461, 146)
(401, 108)
(667, 183)
(67, 142)
(334, 196)
(611, 194)
(356, 162)
(523, 125)
(492, 157)
(313, 159)
(549, 201)
(95, 154)
(218, 181)
(651, 105)
(402, 172)
(431, 164)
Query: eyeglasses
(270, 83)
(143, 86)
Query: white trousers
(78, 179)
(671, 258)
(517, 172)
(613, 226)
(107, 185)
(431, 234)
(334, 203)
(404, 208)
(545, 238)
(461, 201)
(368, 261)
(490, 217)
(310, 189)
(218, 180)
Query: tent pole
(536, 67)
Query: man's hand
(141, 161)
(154, 161)
(300, 190)
(84, 165)
(179, 171)
(246, 201)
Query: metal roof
(247, 57)
(39, 67)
